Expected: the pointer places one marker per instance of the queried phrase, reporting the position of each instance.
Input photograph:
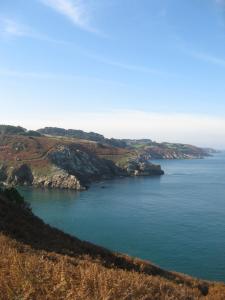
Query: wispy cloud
(55, 76)
(75, 10)
(9, 27)
(209, 58)
(205, 57)
(12, 28)
(127, 66)
(186, 49)
(31, 75)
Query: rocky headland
(64, 162)
(73, 159)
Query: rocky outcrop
(82, 163)
(3, 173)
(65, 163)
(142, 167)
(173, 151)
(21, 175)
(60, 181)
(67, 166)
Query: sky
(123, 68)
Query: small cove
(176, 221)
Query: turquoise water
(177, 221)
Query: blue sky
(124, 68)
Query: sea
(176, 221)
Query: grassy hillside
(73, 159)
(54, 161)
(147, 147)
(40, 262)
(64, 162)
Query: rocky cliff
(60, 158)
(66, 163)
(142, 167)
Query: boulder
(140, 167)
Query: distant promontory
(73, 159)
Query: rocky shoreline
(71, 167)
(73, 159)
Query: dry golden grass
(25, 274)
(40, 262)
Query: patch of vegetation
(32, 133)
(125, 159)
(14, 197)
(138, 146)
(80, 134)
(17, 130)
(11, 130)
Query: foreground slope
(40, 262)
